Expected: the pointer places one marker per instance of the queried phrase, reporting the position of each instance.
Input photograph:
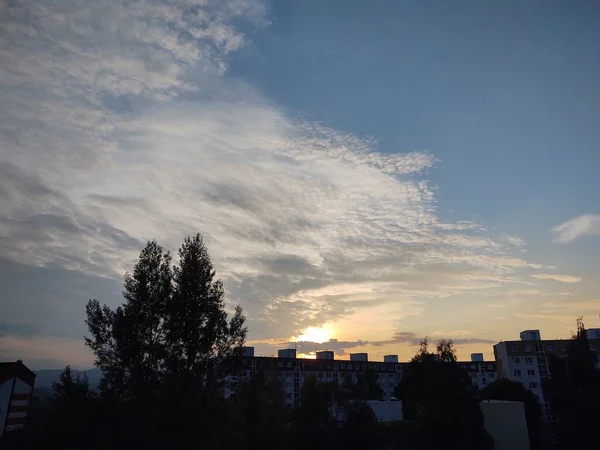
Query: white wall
(506, 423)
(5, 390)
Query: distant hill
(45, 378)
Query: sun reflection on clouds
(315, 334)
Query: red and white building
(16, 388)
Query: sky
(365, 174)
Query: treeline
(168, 353)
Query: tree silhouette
(436, 392)
(169, 347)
(573, 391)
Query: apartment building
(482, 372)
(526, 361)
(292, 371)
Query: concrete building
(292, 371)
(364, 357)
(16, 388)
(481, 372)
(327, 355)
(526, 361)
(506, 422)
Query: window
(483, 381)
(329, 366)
(528, 360)
(320, 366)
(349, 366)
(288, 396)
(517, 373)
(533, 385)
(492, 375)
(516, 360)
(391, 375)
(593, 347)
(280, 363)
(531, 373)
(288, 364)
(288, 385)
(528, 348)
(513, 348)
(391, 385)
(288, 374)
(320, 374)
(550, 348)
(342, 366)
(563, 347)
(473, 367)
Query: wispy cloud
(124, 126)
(579, 306)
(556, 277)
(404, 337)
(585, 225)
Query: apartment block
(292, 371)
(526, 361)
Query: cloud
(124, 126)
(585, 225)
(556, 277)
(405, 337)
(535, 292)
(579, 306)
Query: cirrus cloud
(556, 277)
(124, 126)
(584, 225)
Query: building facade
(292, 372)
(16, 388)
(527, 361)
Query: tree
(573, 391)
(314, 419)
(129, 342)
(71, 392)
(259, 414)
(505, 389)
(169, 347)
(438, 394)
(200, 341)
(360, 428)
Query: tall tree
(129, 342)
(436, 392)
(167, 348)
(573, 391)
(200, 340)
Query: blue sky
(365, 174)
(505, 95)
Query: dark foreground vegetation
(168, 353)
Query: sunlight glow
(314, 334)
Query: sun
(316, 334)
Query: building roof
(11, 369)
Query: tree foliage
(573, 391)
(438, 394)
(169, 346)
